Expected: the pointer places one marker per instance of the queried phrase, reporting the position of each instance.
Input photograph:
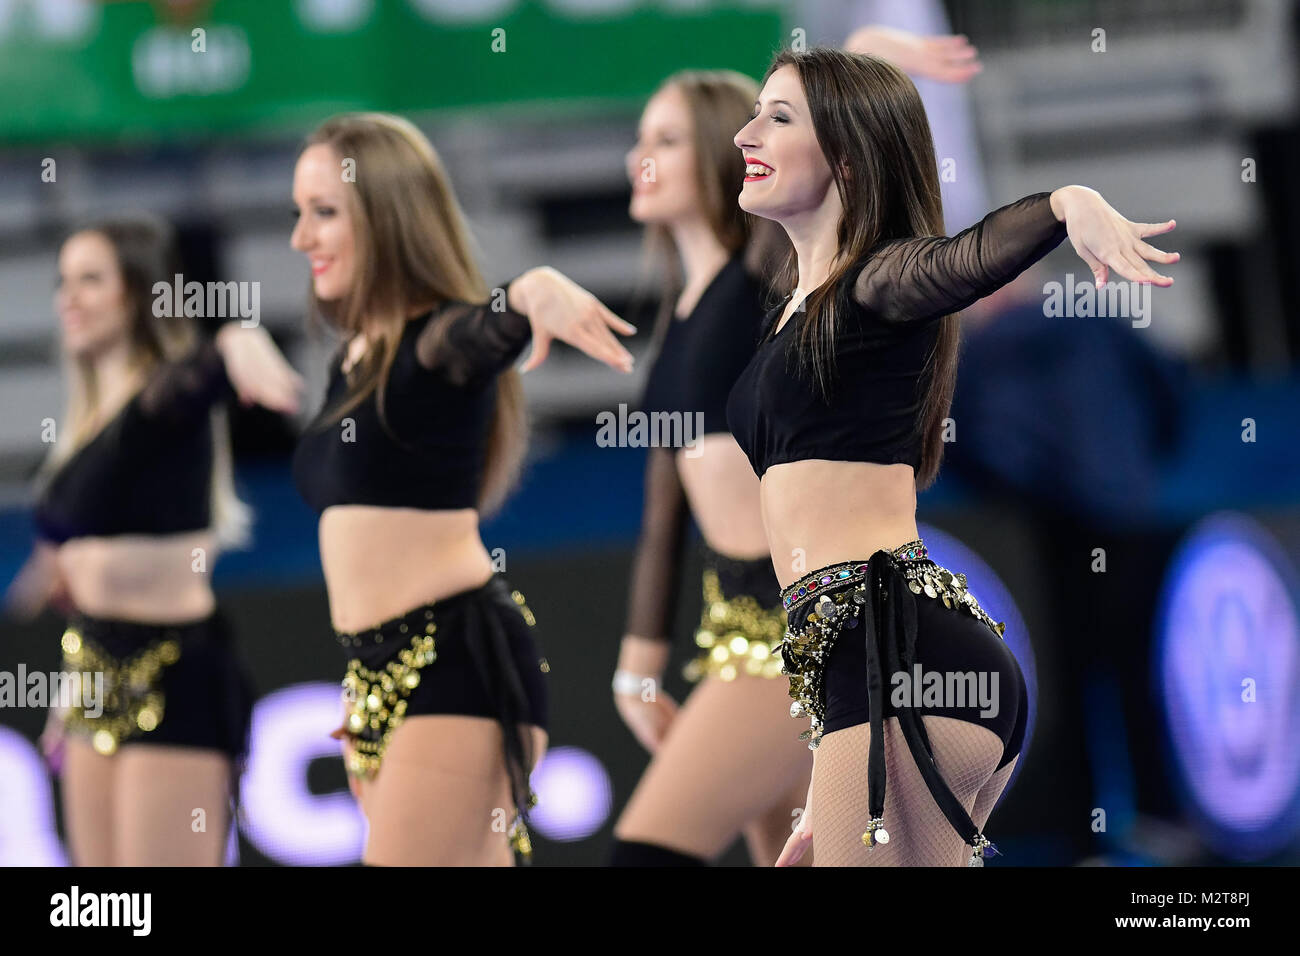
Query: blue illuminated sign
(1227, 667)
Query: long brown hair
(146, 253)
(719, 102)
(871, 126)
(413, 251)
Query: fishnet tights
(920, 834)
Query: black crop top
(702, 355)
(149, 470)
(882, 344)
(699, 360)
(438, 407)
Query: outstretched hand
(949, 59)
(1106, 240)
(559, 308)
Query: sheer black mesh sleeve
(652, 595)
(182, 390)
(928, 277)
(472, 343)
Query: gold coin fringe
(736, 636)
(134, 702)
(805, 650)
(377, 702)
(936, 581)
(520, 841)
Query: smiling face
(786, 175)
(662, 164)
(324, 231)
(91, 299)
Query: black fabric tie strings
(888, 598)
(496, 667)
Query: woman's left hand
(559, 308)
(949, 59)
(53, 741)
(1106, 240)
(345, 738)
(801, 840)
(257, 370)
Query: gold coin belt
(520, 841)
(377, 703)
(377, 699)
(134, 702)
(736, 636)
(805, 650)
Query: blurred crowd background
(1165, 438)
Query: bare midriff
(723, 495)
(380, 563)
(819, 512)
(164, 579)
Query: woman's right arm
(652, 601)
(38, 585)
(655, 568)
(241, 361)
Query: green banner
(79, 69)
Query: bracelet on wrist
(631, 683)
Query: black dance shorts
(897, 635)
(176, 684)
(742, 623)
(471, 654)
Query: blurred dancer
(423, 429)
(725, 763)
(136, 498)
(842, 418)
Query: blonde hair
(145, 249)
(414, 251)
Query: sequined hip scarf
(878, 592)
(132, 658)
(397, 652)
(742, 625)
(388, 662)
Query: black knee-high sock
(632, 853)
